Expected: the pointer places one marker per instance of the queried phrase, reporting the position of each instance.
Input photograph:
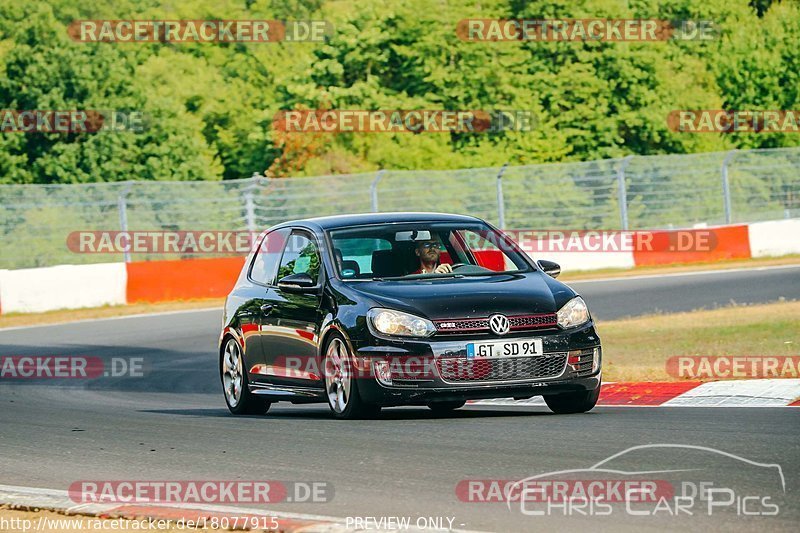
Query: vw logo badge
(499, 324)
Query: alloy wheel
(232, 373)
(338, 379)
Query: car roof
(360, 219)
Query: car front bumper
(438, 369)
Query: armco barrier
(75, 286)
(157, 281)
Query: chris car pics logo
(678, 480)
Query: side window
(486, 252)
(354, 256)
(300, 256)
(267, 256)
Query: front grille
(465, 324)
(481, 325)
(532, 321)
(461, 370)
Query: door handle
(266, 309)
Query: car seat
(385, 263)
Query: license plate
(503, 349)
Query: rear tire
(573, 402)
(235, 387)
(441, 408)
(341, 385)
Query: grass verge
(637, 349)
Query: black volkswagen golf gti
(378, 310)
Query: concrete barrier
(31, 290)
(159, 281)
(774, 238)
(702, 245)
(76, 286)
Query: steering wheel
(457, 265)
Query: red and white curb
(58, 500)
(732, 393)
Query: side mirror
(296, 282)
(550, 268)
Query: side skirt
(288, 393)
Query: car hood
(470, 296)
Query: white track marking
(120, 317)
(740, 393)
(681, 274)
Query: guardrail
(635, 192)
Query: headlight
(390, 322)
(574, 313)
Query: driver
(428, 253)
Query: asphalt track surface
(172, 424)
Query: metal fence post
(122, 208)
(726, 189)
(249, 204)
(501, 204)
(373, 189)
(622, 192)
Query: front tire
(235, 387)
(573, 402)
(341, 385)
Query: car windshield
(421, 250)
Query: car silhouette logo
(499, 324)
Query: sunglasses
(429, 245)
